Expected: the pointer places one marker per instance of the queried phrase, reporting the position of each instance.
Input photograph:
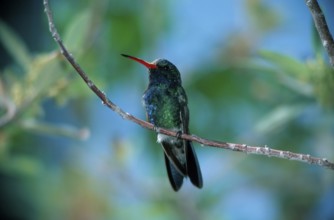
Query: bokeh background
(254, 71)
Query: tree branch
(322, 28)
(265, 151)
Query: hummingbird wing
(192, 165)
(175, 178)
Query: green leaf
(278, 118)
(23, 165)
(263, 16)
(285, 63)
(76, 33)
(14, 45)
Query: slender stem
(10, 109)
(265, 151)
(322, 28)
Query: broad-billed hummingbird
(166, 106)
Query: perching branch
(322, 28)
(265, 151)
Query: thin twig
(322, 28)
(10, 109)
(265, 151)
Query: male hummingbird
(165, 102)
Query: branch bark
(264, 151)
(322, 28)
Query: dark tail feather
(173, 160)
(193, 169)
(175, 178)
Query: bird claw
(178, 134)
(155, 129)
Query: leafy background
(254, 71)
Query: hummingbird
(166, 106)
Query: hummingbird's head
(160, 70)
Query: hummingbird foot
(179, 134)
(167, 138)
(156, 129)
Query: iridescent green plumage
(165, 102)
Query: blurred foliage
(264, 17)
(49, 168)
